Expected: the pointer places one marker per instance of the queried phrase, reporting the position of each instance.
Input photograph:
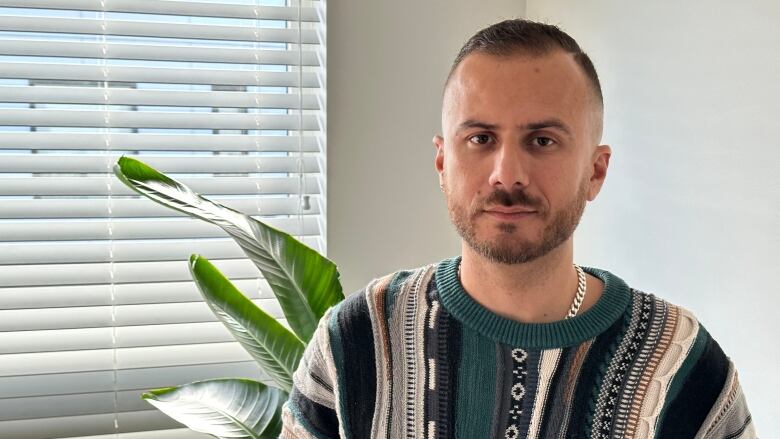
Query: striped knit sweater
(414, 356)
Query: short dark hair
(525, 37)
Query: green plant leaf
(305, 282)
(276, 349)
(225, 408)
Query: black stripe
(448, 359)
(357, 341)
(320, 381)
(699, 391)
(321, 419)
(503, 386)
(531, 390)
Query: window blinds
(96, 300)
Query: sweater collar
(563, 333)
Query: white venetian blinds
(96, 301)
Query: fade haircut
(529, 38)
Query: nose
(509, 167)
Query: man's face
(519, 157)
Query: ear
(438, 143)
(600, 163)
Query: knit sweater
(412, 355)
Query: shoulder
(689, 340)
(697, 380)
(375, 300)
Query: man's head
(521, 119)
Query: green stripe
(475, 386)
(570, 332)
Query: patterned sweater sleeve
(705, 398)
(729, 416)
(311, 410)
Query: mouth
(509, 214)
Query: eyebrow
(547, 123)
(471, 123)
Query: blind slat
(91, 26)
(158, 142)
(70, 405)
(93, 163)
(127, 379)
(90, 186)
(46, 319)
(173, 98)
(20, 231)
(44, 208)
(56, 340)
(87, 425)
(123, 272)
(95, 72)
(165, 7)
(152, 119)
(123, 294)
(75, 252)
(173, 433)
(127, 358)
(155, 52)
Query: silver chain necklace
(578, 298)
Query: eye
(543, 141)
(480, 139)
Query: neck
(538, 291)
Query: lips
(510, 214)
(509, 210)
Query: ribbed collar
(563, 333)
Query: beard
(507, 247)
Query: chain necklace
(578, 298)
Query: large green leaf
(305, 282)
(224, 408)
(276, 349)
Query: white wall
(387, 61)
(690, 209)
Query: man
(512, 339)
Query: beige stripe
(431, 374)
(749, 433)
(664, 341)
(547, 367)
(434, 314)
(679, 349)
(399, 377)
(376, 293)
(398, 373)
(431, 429)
